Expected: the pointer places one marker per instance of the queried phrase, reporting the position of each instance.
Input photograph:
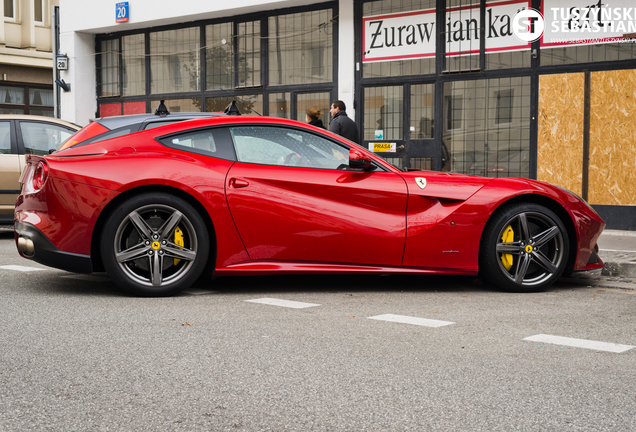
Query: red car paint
(281, 219)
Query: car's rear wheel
(155, 245)
(524, 248)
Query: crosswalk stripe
(411, 320)
(283, 303)
(20, 268)
(580, 343)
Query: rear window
(89, 131)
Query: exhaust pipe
(26, 246)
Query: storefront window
(604, 33)
(320, 101)
(461, 35)
(174, 60)
(383, 113)
(376, 15)
(301, 48)
(279, 105)
(422, 112)
(219, 64)
(249, 54)
(588, 53)
(133, 65)
(180, 105)
(108, 75)
(247, 104)
(487, 126)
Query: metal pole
(55, 45)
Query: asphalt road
(76, 354)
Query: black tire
(155, 245)
(524, 248)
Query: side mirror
(359, 160)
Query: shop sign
(578, 22)
(411, 35)
(383, 147)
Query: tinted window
(288, 147)
(5, 137)
(210, 142)
(40, 138)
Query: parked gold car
(20, 135)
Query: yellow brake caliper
(507, 237)
(178, 240)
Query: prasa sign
(411, 35)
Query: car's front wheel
(524, 248)
(155, 245)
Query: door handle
(400, 147)
(239, 183)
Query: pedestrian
(313, 118)
(341, 124)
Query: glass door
(399, 125)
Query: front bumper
(34, 245)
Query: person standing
(313, 118)
(341, 124)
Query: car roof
(39, 118)
(116, 122)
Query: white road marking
(411, 320)
(580, 343)
(20, 268)
(283, 303)
(87, 278)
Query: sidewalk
(618, 252)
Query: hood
(443, 185)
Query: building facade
(452, 85)
(26, 59)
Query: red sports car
(238, 195)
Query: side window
(40, 138)
(112, 134)
(210, 142)
(269, 145)
(5, 137)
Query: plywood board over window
(560, 130)
(613, 138)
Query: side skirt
(254, 268)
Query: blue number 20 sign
(122, 11)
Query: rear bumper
(34, 245)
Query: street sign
(61, 62)
(122, 12)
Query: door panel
(319, 215)
(9, 171)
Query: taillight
(41, 173)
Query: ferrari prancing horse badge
(421, 182)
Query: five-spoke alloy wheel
(155, 245)
(524, 248)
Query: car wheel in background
(524, 248)
(155, 245)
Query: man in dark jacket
(341, 124)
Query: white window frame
(43, 3)
(13, 18)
